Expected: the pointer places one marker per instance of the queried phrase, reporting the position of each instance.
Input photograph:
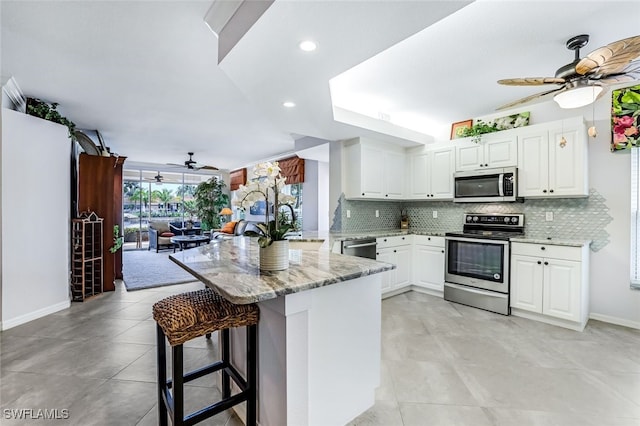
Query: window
(635, 218)
(156, 195)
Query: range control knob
(468, 218)
(506, 219)
(514, 219)
(475, 218)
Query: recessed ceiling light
(288, 104)
(308, 45)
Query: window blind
(293, 169)
(237, 178)
(635, 218)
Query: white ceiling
(145, 73)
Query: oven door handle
(477, 240)
(476, 291)
(360, 245)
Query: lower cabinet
(550, 282)
(396, 250)
(428, 258)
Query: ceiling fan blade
(176, 165)
(207, 168)
(531, 81)
(530, 98)
(621, 78)
(610, 59)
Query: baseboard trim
(13, 322)
(615, 320)
(431, 292)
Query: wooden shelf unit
(87, 278)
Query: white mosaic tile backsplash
(573, 218)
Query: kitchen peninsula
(319, 331)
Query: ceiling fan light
(580, 96)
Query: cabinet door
(533, 164)
(393, 174)
(419, 176)
(429, 267)
(372, 162)
(526, 283)
(441, 173)
(402, 256)
(567, 163)
(501, 152)
(562, 281)
(388, 277)
(469, 156)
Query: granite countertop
(359, 235)
(417, 231)
(231, 268)
(551, 241)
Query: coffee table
(183, 241)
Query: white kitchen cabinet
(549, 167)
(498, 149)
(388, 256)
(373, 170)
(428, 258)
(550, 283)
(430, 174)
(395, 250)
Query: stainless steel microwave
(489, 185)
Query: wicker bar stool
(186, 316)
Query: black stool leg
(252, 374)
(208, 336)
(162, 376)
(178, 386)
(226, 359)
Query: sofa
(160, 235)
(234, 229)
(180, 228)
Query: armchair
(160, 235)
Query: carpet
(147, 269)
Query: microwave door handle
(501, 184)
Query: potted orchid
(266, 185)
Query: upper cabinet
(373, 170)
(494, 150)
(430, 174)
(552, 160)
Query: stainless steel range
(477, 261)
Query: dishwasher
(361, 248)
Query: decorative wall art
(458, 129)
(511, 121)
(625, 118)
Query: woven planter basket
(275, 257)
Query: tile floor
(442, 364)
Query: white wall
(323, 197)
(310, 196)
(35, 218)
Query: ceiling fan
(584, 80)
(157, 178)
(192, 164)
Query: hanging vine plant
(48, 111)
(479, 129)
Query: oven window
(476, 260)
(477, 186)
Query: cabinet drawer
(396, 240)
(547, 250)
(428, 240)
